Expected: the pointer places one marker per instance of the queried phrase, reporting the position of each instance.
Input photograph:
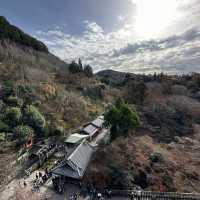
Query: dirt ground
(7, 167)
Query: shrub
(14, 101)
(22, 134)
(13, 116)
(26, 92)
(7, 88)
(34, 118)
(2, 137)
(25, 89)
(3, 126)
(23, 131)
(156, 157)
(58, 131)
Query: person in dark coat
(36, 176)
(40, 174)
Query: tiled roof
(75, 165)
(76, 138)
(90, 129)
(98, 122)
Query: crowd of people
(40, 179)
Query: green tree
(80, 64)
(88, 71)
(13, 116)
(75, 68)
(34, 118)
(121, 117)
(23, 132)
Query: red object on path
(29, 143)
(162, 188)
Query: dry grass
(7, 167)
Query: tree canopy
(34, 118)
(78, 68)
(121, 117)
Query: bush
(58, 131)
(2, 137)
(27, 93)
(22, 134)
(7, 88)
(13, 116)
(156, 157)
(23, 131)
(25, 89)
(14, 101)
(3, 127)
(34, 118)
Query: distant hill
(116, 78)
(14, 34)
(112, 77)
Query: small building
(98, 122)
(73, 168)
(91, 130)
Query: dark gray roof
(75, 165)
(90, 129)
(66, 171)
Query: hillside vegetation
(162, 153)
(14, 34)
(40, 95)
(154, 119)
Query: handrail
(160, 195)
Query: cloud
(120, 50)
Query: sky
(139, 36)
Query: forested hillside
(14, 34)
(154, 119)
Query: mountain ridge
(14, 34)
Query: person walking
(40, 174)
(132, 196)
(36, 176)
(25, 184)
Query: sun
(153, 17)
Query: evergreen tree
(121, 117)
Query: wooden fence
(145, 195)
